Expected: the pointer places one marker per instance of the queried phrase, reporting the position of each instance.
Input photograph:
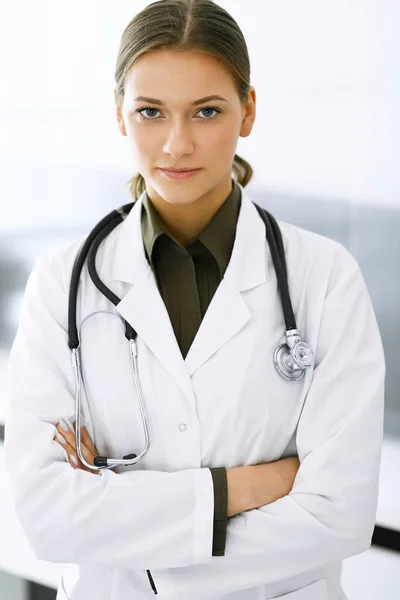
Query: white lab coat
(224, 405)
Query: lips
(179, 175)
(178, 170)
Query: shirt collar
(218, 236)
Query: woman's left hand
(88, 449)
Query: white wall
(326, 76)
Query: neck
(187, 221)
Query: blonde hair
(186, 25)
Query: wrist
(240, 489)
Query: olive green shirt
(187, 278)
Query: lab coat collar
(144, 309)
(247, 264)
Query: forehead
(178, 76)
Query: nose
(179, 141)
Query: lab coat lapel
(143, 306)
(228, 312)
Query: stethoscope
(291, 358)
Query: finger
(71, 454)
(67, 433)
(70, 439)
(86, 439)
(76, 463)
(61, 441)
(70, 451)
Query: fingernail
(64, 425)
(72, 457)
(70, 425)
(67, 425)
(60, 438)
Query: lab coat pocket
(315, 591)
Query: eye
(146, 118)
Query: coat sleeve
(138, 519)
(330, 512)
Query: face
(178, 134)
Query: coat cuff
(220, 510)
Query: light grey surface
(372, 575)
(13, 588)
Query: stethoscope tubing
(102, 461)
(291, 358)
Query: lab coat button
(182, 426)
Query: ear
(118, 114)
(249, 114)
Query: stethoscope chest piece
(292, 358)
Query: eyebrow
(195, 103)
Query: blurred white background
(327, 123)
(326, 74)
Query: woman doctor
(253, 486)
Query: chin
(179, 199)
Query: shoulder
(307, 251)
(54, 265)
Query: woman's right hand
(67, 440)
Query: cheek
(141, 143)
(223, 139)
(221, 148)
